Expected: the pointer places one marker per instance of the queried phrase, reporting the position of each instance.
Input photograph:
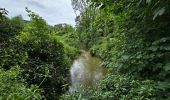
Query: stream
(86, 70)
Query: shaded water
(86, 70)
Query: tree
(47, 65)
(62, 29)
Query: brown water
(86, 70)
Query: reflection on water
(86, 71)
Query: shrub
(47, 59)
(117, 87)
(12, 89)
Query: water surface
(86, 70)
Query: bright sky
(53, 11)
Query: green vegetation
(131, 36)
(12, 89)
(40, 52)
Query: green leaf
(159, 65)
(125, 57)
(163, 85)
(167, 47)
(148, 1)
(162, 40)
(154, 48)
(159, 13)
(167, 67)
(139, 2)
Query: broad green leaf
(159, 13)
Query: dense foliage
(40, 52)
(130, 36)
(12, 89)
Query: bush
(12, 89)
(12, 54)
(47, 59)
(44, 59)
(117, 87)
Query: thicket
(12, 89)
(132, 37)
(42, 55)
